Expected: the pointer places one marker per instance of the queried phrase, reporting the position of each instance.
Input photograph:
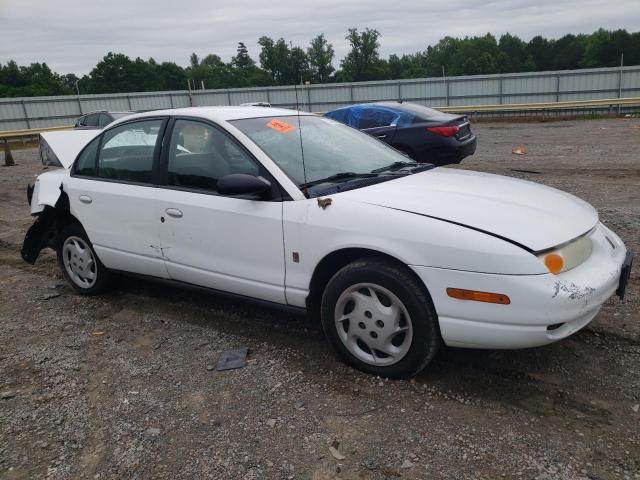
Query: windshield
(331, 149)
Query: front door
(226, 243)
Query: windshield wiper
(394, 166)
(413, 167)
(338, 176)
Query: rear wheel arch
(335, 261)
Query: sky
(71, 36)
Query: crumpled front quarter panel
(47, 189)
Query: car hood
(535, 216)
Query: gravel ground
(123, 385)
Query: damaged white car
(394, 257)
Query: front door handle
(85, 199)
(382, 135)
(173, 212)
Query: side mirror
(243, 184)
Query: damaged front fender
(44, 231)
(47, 190)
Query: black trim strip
(513, 242)
(237, 296)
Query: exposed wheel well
(46, 229)
(329, 265)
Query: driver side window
(200, 155)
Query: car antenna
(295, 88)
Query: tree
(363, 60)
(285, 65)
(568, 52)
(514, 55)
(320, 54)
(281, 63)
(541, 53)
(242, 60)
(173, 76)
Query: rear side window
(374, 117)
(104, 120)
(127, 152)
(91, 120)
(86, 162)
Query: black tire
(102, 275)
(402, 283)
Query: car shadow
(539, 380)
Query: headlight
(567, 256)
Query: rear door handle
(173, 212)
(382, 135)
(85, 199)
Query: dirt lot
(141, 399)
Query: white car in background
(394, 257)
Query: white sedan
(394, 257)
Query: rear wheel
(380, 319)
(79, 263)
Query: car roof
(218, 114)
(107, 111)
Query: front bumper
(543, 309)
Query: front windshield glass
(330, 148)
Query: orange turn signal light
(554, 263)
(487, 297)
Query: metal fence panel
(532, 87)
(208, 98)
(373, 92)
(425, 90)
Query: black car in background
(100, 119)
(425, 134)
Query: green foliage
(363, 60)
(35, 80)
(320, 54)
(286, 65)
(281, 63)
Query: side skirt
(190, 286)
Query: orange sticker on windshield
(280, 126)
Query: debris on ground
(8, 156)
(407, 464)
(233, 359)
(335, 453)
(7, 394)
(519, 150)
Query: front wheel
(79, 263)
(380, 319)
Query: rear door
(228, 243)
(112, 193)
